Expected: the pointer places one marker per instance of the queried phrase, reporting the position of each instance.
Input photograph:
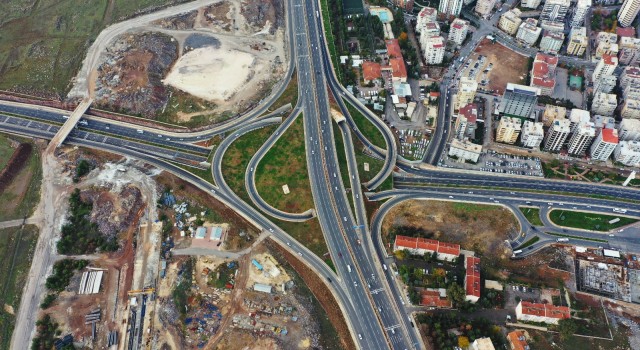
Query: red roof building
(472, 278)
(398, 69)
(546, 313)
(470, 111)
(393, 48)
(433, 298)
(421, 246)
(518, 340)
(609, 135)
(371, 71)
(629, 32)
(543, 73)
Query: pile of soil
(259, 12)
(115, 213)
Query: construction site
(165, 66)
(603, 272)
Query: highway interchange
(367, 293)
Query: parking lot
(501, 163)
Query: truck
(618, 210)
(562, 240)
(348, 267)
(517, 252)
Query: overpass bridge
(71, 123)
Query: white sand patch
(211, 74)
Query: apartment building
(578, 116)
(450, 7)
(627, 153)
(430, 29)
(581, 9)
(510, 21)
(551, 41)
(600, 122)
(604, 144)
(519, 100)
(631, 92)
(458, 31)
(532, 134)
(630, 76)
(578, 41)
(543, 73)
(545, 313)
(466, 122)
(629, 130)
(605, 66)
(583, 135)
(604, 104)
(552, 26)
(605, 84)
(555, 10)
(557, 135)
(630, 109)
(532, 4)
(628, 12)
(467, 88)
(484, 7)
(465, 150)
(552, 113)
(629, 51)
(426, 15)
(607, 44)
(528, 32)
(508, 130)
(433, 49)
(406, 5)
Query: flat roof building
(510, 21)
(519, 100)
(465, 150)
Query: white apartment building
(582, 7)
(429, 29)
(627, 153)
(519, 100)
(607, 44)
(605, 66)
(426, 15)
(628, 12)
(551, 42)
(552, 113)
(484, 7)
(604, 104)
(631, 109)
(508, 130)
(528, 32)
(629, 51)
(433, 49)
(552, 26)
(557, 135)
(578, 41)
(600, 122)
(543, 73)
(630, 76)
(629, 130)
(465, 150)
(582, 137)
(578, 116)
(555, 10)
(532, 135)
(532, 4)
(466, 122)
(605, 84)
(604, 144)
(458, 31)
(510, 21)
(467, 88)
(631, 92)
(450, 7)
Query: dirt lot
(508, 66)
(20, 182)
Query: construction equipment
(148, 290)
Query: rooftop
(470, 111)
(610, 59)
(626, 32)
(393, 48)
(398, 68)
(610, 135)
(518, 340)
(427, 244)
(545, 310)
(371, 70)
(473, 276)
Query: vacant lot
(42, 43)
(16, 250)
(532, 215)
(370, 131)
(286, 163)
(508, 66)
(21, 196)
(588, 221)
(481, 228)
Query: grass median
(577, 237)
(286, 164)
(588, 221)
(532, 215)
(367, 128)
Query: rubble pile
(216, 15)
(115, 214)
(130, 78)
(182, 21)
(259, 13)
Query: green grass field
(286, 163)
(532, 215)
(43, 43)
(16, 251)
(289, 95)
(472, 208)
(588, 221)
(22, 196)
(367, 128)
(5, 151)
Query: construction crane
(148, 290)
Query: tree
(566, 328)
(456, 293)
(400, 254)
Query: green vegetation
(289, 95)
(16, 250)
(48, 333)
(532, 215)
(529, 243)
(182, 103)
(20, 199)
(63, 270)
(334, 30)
(368, 129)
(471, 208)
(286, 163)
(48, 301)
(79, 235)
(438, 326)
(180, 292)
(577, 237)
(588, 221)
(226, 273)
(43, 43)
(82, 169)
(6, 151)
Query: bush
(46, 336)
(82, 169)
(48, 301)
(62, 272)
